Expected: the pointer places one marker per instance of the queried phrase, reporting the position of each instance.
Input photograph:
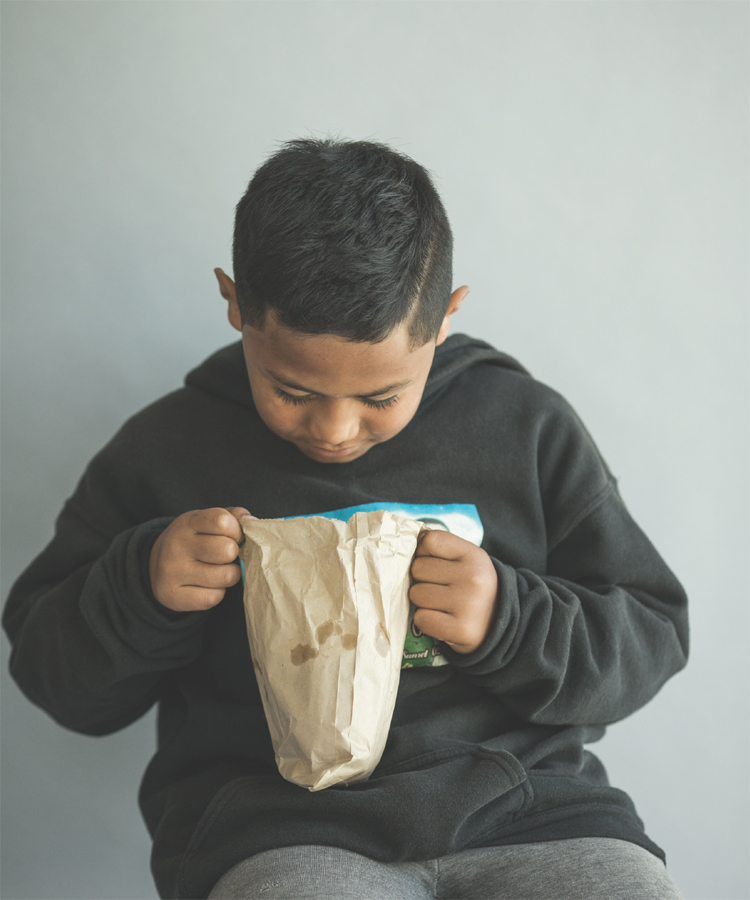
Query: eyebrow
(298, 387)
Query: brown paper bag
(327, 607)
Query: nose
(334, 423)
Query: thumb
(240, 512)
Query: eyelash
(290, 398)
(300, 401)
(381, 404)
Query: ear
(457, 298)
(229, 293)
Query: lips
(334, 453)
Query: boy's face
(334, 399)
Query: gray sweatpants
(580, 869)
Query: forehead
(332, 365)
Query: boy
(346, 390)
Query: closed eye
(380, 404)
(296, 400)
(291, 398)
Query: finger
(216, 521)
(216, 549)
(436, 624)
(239, 512)
(193, 599)
(437, 597)
(432, 570)
(445, 628)
(206, 576)
(442, 544)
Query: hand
(455, 590)
(192, 561)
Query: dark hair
(344, 238)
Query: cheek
(281, 418)
(389, 422)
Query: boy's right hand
(192, 561)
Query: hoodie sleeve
(90, 643)
(594, 636)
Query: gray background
(593, 160)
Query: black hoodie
(487, 750)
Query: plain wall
(593, 159)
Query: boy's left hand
(455, 590)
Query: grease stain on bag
(302, 653)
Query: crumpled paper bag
(327, 608)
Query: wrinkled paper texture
(327, 608)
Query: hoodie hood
(225, 375)
(460, 352)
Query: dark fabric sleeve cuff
(121, 609)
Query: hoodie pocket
(422, 808)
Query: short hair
(348, 238)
